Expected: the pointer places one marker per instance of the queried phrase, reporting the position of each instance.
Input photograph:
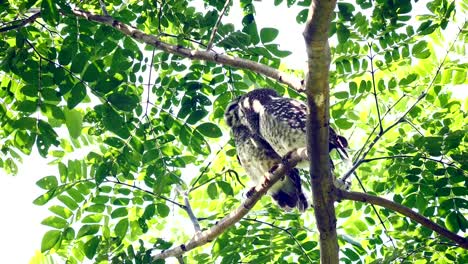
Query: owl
(281, 122)
(257, 157)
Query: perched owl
(257, 157)
(281, 121)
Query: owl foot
(250, 192)
(266, 181)
(273, 169)
(342, 184)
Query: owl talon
(266, 181)
(250, 192)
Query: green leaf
(342, 33)
(119, 212)
(91, 73)
(123, 102)
(343, 123)
(47, 182)
(49, 239)
(351, 254)
(61, 211)
(268, 34)
(27, 106)
(163, 210)
(65, 55)
(78, 93)
(121, 228)
(74, 122)
(212, 191)
(452, 222)
(69, 202)
(55, 222)
(87, 230)
(273, 48)
(90, 247)
(196, 116)
(78, 63)
(226, 187)
(49, 12)
(209, 130)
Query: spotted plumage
(281, 121)
(257, 157)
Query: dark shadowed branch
(371, 199)
(21, 23)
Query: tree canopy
(136, 91)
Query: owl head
(232, 113)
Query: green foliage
(147, 125)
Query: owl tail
(339, 143)
(290, 194)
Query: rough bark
(317, 89)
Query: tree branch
(215, 29)
(154, 41)
(207, 236)
(318, 98)
(103, 7)
(189, 210)
(21, 22)
(409, 156)
(371, 58)
(371, 199)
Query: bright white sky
(20, 228)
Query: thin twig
(180, 259)
(409, 156)
(371, 58)
(21, 22)
(359, 152)
(149, 83)
(284, 230)
(148, 192)
(215, 29)
(103, 7)
(205, 169)
(189, 210)
(402, 117)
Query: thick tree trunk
(317, 89)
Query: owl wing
(282, 122)
(257, 157)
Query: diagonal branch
(371, 199)
(235, 216)
(154, 41)
(21, 23)
(215, 29)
